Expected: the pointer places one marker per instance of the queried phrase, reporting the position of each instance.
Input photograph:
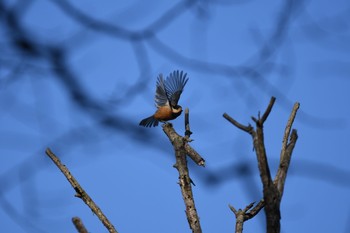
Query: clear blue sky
(237, 55)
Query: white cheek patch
(177, 110)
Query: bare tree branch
(286, 151)
(80, 192)
(247, 129)
(187, 123)
(79, 225)
(247, 213)
(272, 190)
(194, 155)
(185, 181)
(268, 109)
(289, 126)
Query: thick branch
(194, 155)
(271, 195)
(272, 191)
(259, 146)
(80, 192)
(178, 143)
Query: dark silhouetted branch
(272, 190)
(247, 129)
(80, 192)
(268, 110)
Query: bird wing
(161, 97)
(174, 85)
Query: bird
(168, 93)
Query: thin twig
(268, 110)
(247, 213)
(80, 192)
(187, 123)
(247, 129)
(194, 155)
(286, 151)
(289, 126)
(255, 210)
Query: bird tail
(149, 122)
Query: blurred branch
(79, 225)
(185, 181)
(80, 192)
(272, 191)
(120, 32)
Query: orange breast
(164, 113)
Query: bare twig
(255, 210)
(187, 123)
(189, 150)
(247, 213)
(178, 143)
(247, 129)
(80, 192)
(268, 110)
(79, 225)
(286, 151)
(289, 126)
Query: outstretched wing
(174, 85)
(161, 97)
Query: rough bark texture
(272, 189)
(179, 143)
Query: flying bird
(168, 93)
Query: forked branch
(272, 190)
(182, 148)
(247, 213)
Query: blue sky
(237, 55)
